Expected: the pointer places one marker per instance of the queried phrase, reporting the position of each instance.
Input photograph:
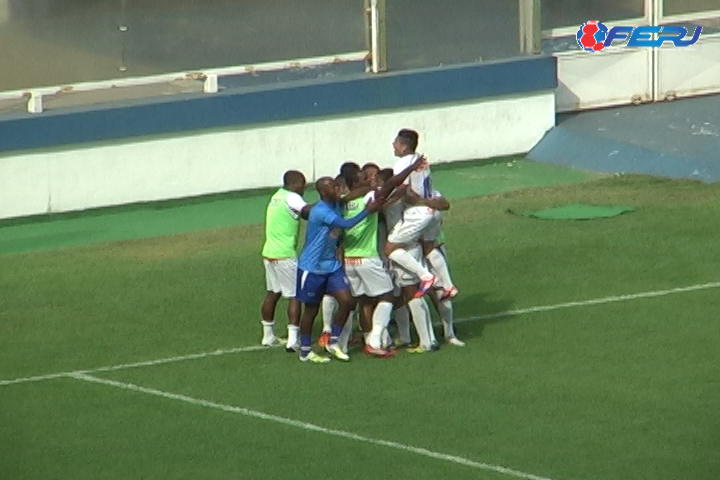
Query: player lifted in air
(282, 224)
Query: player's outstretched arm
(396, 180)
(356, 193)
(436, 202)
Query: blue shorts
(311, 287)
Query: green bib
(281, 228)
(361, 240)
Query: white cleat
(313, 357)
(272, 341)
(337, 352)
(455, 342)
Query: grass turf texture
(626, 390)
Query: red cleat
(379, 352)
(425, 285)
(324, 339)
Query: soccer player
(434, 244)
(415, 218)
(320, 270)
(282, 224)
(370, 282)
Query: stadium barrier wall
(160, 149)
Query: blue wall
(279, 102)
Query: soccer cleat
(272, 342)
(449, 293)
(337, 352)
(313, 357)
(324, 339)
(418, 349)
(379, 352)
(292, 348)
(455, 342)
(425, 285)
(400, 344)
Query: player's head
(383, 176)
(357, 179)
(370, 170)
(341, 185)
(406, 142)
(349, 168)
(327, 188)
(294, 181)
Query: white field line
(508, 313)
(310, 427)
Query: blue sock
(335, 333)
(305, 345)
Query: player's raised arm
(396, 180)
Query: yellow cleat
(417, 349)
(337, 352)
(313, 357)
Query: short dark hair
(341, 179)
(409, 138)
(349, 167)
(385, 174)
(293, 177)
(371, 165)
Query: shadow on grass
(470, 312)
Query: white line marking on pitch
(149, 363)
(308, 426)
(490, 316)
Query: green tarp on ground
(578, 211)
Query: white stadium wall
(63, 179)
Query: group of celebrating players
(373, 241)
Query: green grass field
(607, 388)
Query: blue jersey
(322, 238)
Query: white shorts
(410, 228)
(402, 277)
(432, 231)
(368, 277)
(281, 276)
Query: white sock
(421, 320)
(268, 329)
(329, 304)
(345, 335)
(293, 331)
(380, 321)
(446, 316)
(366, 337)
(402, 318)
(406, 261)
(440, 267)
(386, 339)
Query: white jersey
(420, 182)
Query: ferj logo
(594, 36)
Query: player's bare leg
(306, 324)
(293, 312)
(345, 306)
(267, 311)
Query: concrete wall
(148, 152)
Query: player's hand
(411, 198)
(420, 163)
(374, 206)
